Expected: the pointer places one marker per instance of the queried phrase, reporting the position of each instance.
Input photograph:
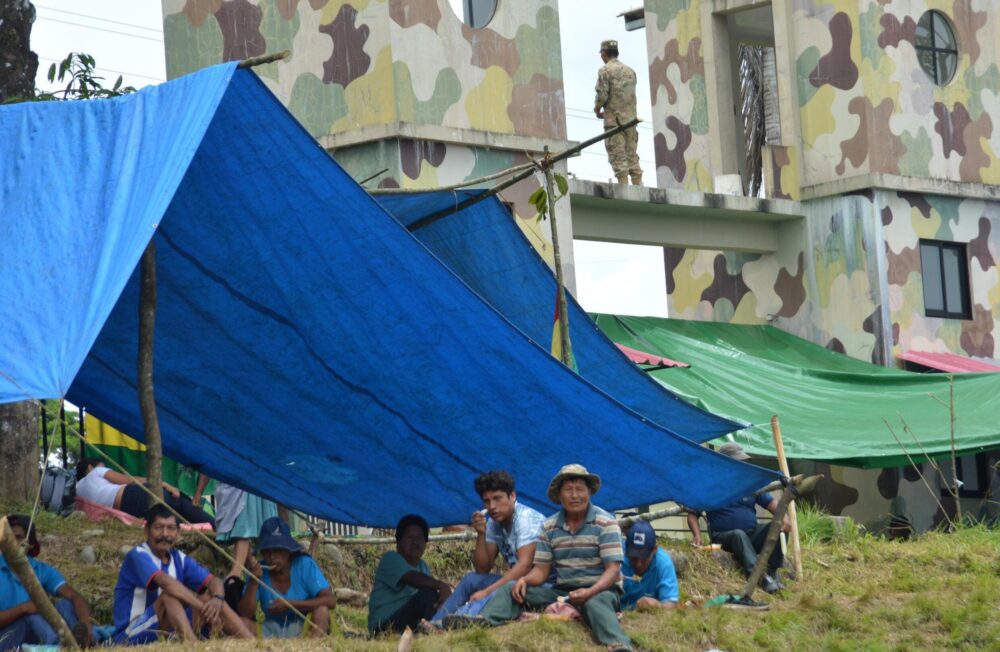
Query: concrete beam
(673, 218)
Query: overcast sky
(126, 38)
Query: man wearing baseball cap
(735, 527)
(614, 102)
(650, 579)
(583, 543)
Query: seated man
(404, 592)
(650, 580)
(583, 543)
(296, 577)
(20, 621)
(735, 527)
(102, 486)
(160, 589)
(511, 531)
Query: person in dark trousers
(404, 591)
(736, 529)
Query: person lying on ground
(239, 516)
(648, 571)
(294, 575)
(583, 543)
(511, 531)
(161, 590)
(20, 621)
(102, 486)
(736, 529)
(404, 591)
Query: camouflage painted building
(405, 86)
(882, 131)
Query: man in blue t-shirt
(161, 589)
(511, 532)
(20, 621)
(648, 571)
(735, 528)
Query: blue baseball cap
(641, 540)
(274, 533)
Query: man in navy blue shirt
(735, 527)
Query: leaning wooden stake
(18, 563)
(564, 350)
(147, 400)
(787, 496)
(793, 517)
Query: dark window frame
(982, 489)
(963, 280)
(935, 50)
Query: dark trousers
(419, 606)
(599, 612)
(34, 629)
(746, 544)
(135, 501)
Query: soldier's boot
(636, 179)
(623, 179)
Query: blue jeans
(34, 629)
(459, 603)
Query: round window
(475, 13)
(937, 49)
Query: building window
(945, 269)
(475, 13)
(937, 49)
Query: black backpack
(59, 490)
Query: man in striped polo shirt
(583, 543)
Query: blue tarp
(307, 346)
(484, 247)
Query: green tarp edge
(832, 408)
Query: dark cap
(733, 450)
(641, 540)
(610, 44)
(274, 533)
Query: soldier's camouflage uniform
(616, 95)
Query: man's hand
(173, 491)
(255, 568)
(696, 540)
(786, 525)
(479, 595)
(211, 610)
(278, 607)
(520, 587)
(599, 113)
(479, 523)
(579, 597)
(647, 603)
(444, 592)
(28, 608)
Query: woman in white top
(99, 484)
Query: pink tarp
(641, 357)
(95, 512)
(950, 362)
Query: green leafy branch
(540, 198)
(76, 71)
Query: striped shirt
(135, 590)
(579, 557)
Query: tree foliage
(77, 72)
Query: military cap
(610, 44)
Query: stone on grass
(88, 556)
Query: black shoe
(770, 585)
(233, 590)
(81, 634)
(744, 603)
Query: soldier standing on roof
(615, 102)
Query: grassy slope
(859, 592)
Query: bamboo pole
(790, 493)
(520, 176)
(262, 59)
(454, 186)
(793, 517)
(18, 563)
(147, 400)
(564, 351)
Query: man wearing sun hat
(736, 529)
(650, 579)
(583, 543)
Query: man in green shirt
(404, 591)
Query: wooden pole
(774, 531)
(262, 59)
(564, 350)
(779, 448)
(19, 565)
(147, 400)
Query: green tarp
(832, 407)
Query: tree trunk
(19, 451)
(18, 421)
(18, 63)
(147, 400)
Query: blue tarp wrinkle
(307, 347)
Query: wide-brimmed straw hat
(573, 471)
(274, 533)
